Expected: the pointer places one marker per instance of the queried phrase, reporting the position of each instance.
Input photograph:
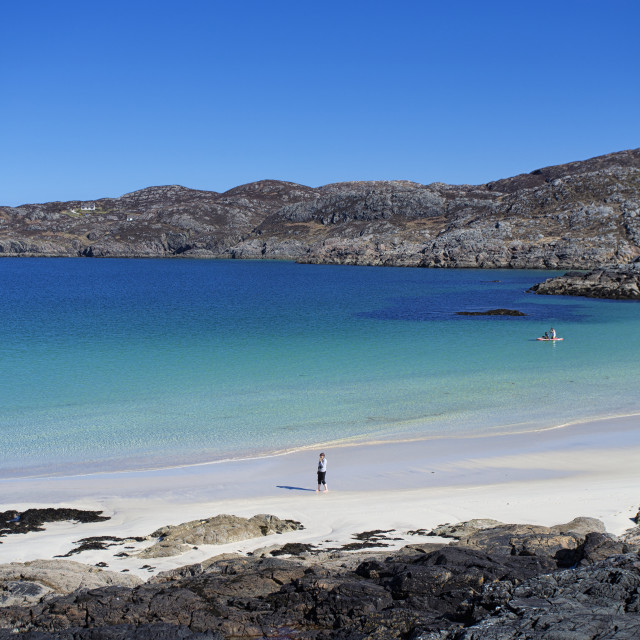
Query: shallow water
(121, 364)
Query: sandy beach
(544, 477)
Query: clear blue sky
(101, 98)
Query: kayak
(549, 339)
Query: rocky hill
(576, 216)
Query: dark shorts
(321, 476)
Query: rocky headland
(615, 282)
(480, 579)
(580, 215)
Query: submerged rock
(492, 312)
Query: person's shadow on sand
(280, 486)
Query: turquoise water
(121, 364)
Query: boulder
(632, 536)
(21, 592)
(464, 529)
(561, 542)
(599, 546)
(221, 529)
(580, 526)
(26, 582)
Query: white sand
(544, 477)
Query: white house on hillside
(88, 206)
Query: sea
(110, 365)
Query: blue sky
(101, 98)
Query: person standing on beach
(322, 473)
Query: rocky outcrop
(464, 529)
(614, 282)
(479, 587)
(220, 529)
(565, 543)
(173, 540)
(24, 583)
(574, 216)
(589, 603)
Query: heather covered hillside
(578, 215)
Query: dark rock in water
(616, 283)
(33, 519)
(492, 312)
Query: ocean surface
(133, 364)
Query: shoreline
(544, 477)
(367, 440)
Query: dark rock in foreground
(596, 602)
(27, 583)
(617, 283)
(492, 312)
(499, 581)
